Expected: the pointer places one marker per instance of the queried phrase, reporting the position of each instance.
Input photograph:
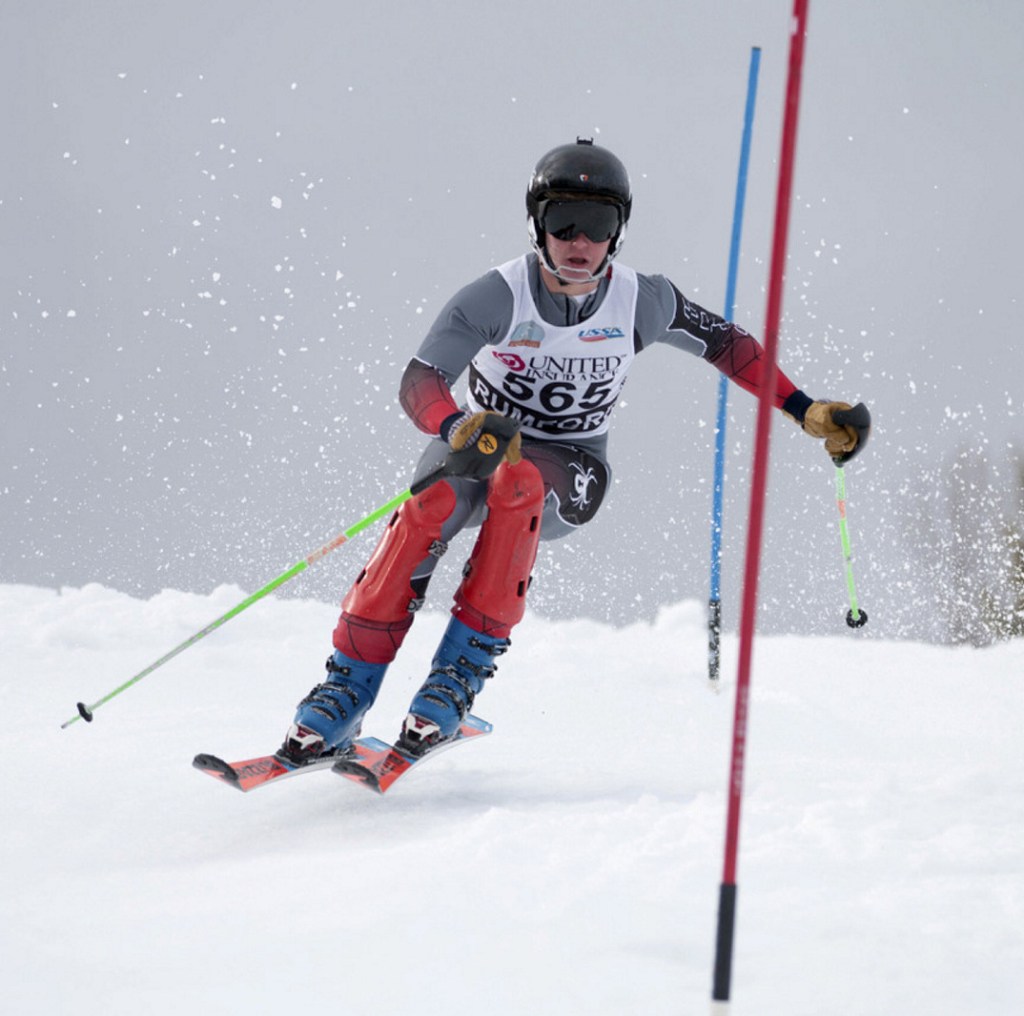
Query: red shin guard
(378, 610)
(492, 596)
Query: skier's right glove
(480, 442)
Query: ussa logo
(600, 334)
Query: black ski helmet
(578, 172)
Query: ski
(373, 763)
(253, 773)
(377, 765)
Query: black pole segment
(714, 638)
(723, 943)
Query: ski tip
(358, 772)
(215, 767)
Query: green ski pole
(855, 617)
(86, 712)
(476, 459)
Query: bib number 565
(555, 396)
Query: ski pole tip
(858, 620)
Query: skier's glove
(480, 442)
(845, 428)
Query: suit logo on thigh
(583, 480)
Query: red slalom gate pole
(759, 482)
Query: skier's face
(578, 258)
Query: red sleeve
(735, 352)
(741, 359)
(426, 396)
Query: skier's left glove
(845, 428)
(480, 442)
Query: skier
(548, 339)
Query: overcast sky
(226, 225)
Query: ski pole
(478, 458)
(86, 712)
(855, 617)
(714, 599)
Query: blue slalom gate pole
(715, 598)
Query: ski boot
(463, 661)
(330, 717)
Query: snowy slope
(567, 864)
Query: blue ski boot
(330, 717)
(463, 661)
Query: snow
(569, 863)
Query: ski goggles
(565, 220)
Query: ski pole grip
(479, 458)
(860, 419)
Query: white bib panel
(557, 380)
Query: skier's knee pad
(378, 608)
(492, 596)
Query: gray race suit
(558, 363)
